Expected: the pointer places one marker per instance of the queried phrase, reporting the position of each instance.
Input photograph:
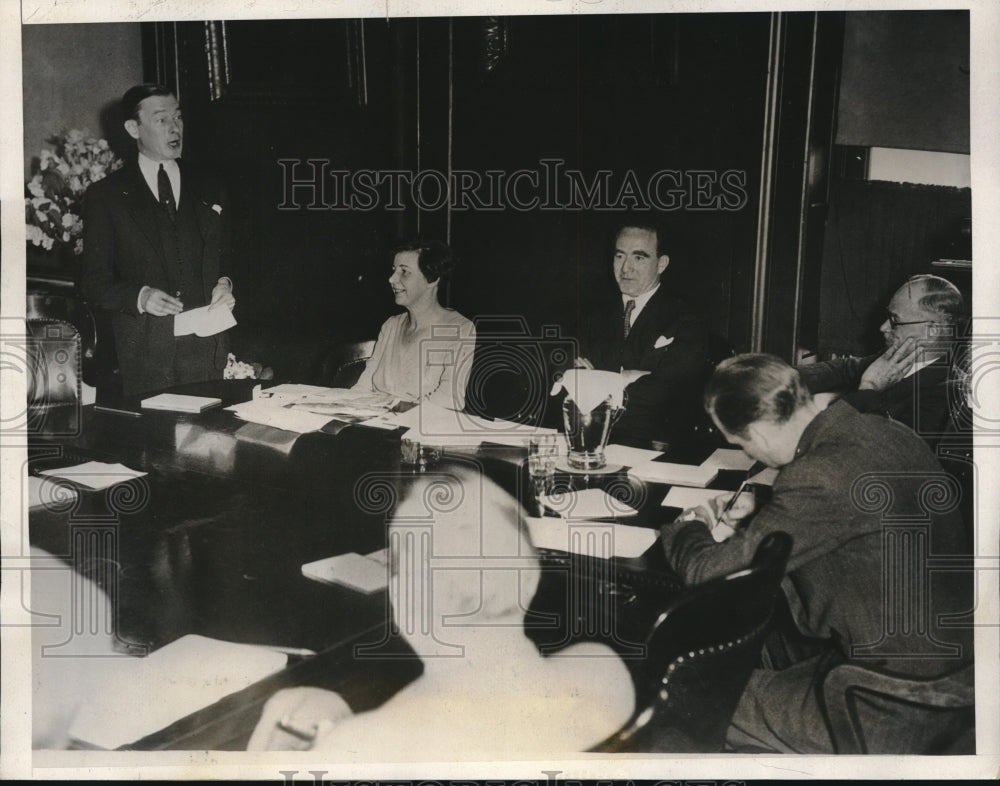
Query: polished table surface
(212, 540)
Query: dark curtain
(877, 234)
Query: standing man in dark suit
(655, 341)
(156, 239)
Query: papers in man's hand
(364, 573)
(594, 539)
(134, 697)
(267, 414)
(94, 474)
(674, 474)
(629, 457)
(587, 504)
(440, 426)
(684, 498)
(727, 458)
(178, 403)
(204, 322)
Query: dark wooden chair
(947, 705)
(699, 656)
(340, 366)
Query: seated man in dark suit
(914, 380)
(857, 493)
(655, 340)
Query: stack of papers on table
(629, 457)
(95, 474)
(134, 697)
(440, 426)
(590, 538)
(266, 413)
(684, 498)
(364, 573)
(728, 458)
(47, 492)
(674, 474)
(174, 402)
(587, 504)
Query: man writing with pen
(827, 458)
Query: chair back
(340, 366)
(44, 307)
(873, 712)
(699, 656)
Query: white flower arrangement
(237, 369)
(52, 205)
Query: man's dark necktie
(629, 308)
(166, 193)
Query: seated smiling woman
(425, 353)
(462, 573)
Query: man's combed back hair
(136, 95)
(941, 297)
(748, 388)
(638, 222)
(435, 259)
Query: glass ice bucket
(587, 433)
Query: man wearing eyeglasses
(914, 379)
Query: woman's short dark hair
(435, 259)
(748, 388)
(136, 95)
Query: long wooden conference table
(212, 539)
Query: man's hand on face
(159, 303)
(890, 367)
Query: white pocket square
(217, 209)
(663, 341)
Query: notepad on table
(355, 571)
(729, 458)
(683, 497)
(175, 402)
(592, 539)
(587, 504)
(674, 474)
(130, 698)
(95, 474)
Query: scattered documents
(174, 402)
(587, 504)
(134, 697)
(727, 458)
(629, 457)
(684, 498)
(674, 474)
(94, 474)
(364, 573)
(594, 539)
(204, 322)
(765, 477)
(267, 414)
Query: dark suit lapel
(142, 206)
(651, 314)
(192, 189)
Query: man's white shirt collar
(640, 302)
(150, 172)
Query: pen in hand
(731, 503)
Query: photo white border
(17, 758)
